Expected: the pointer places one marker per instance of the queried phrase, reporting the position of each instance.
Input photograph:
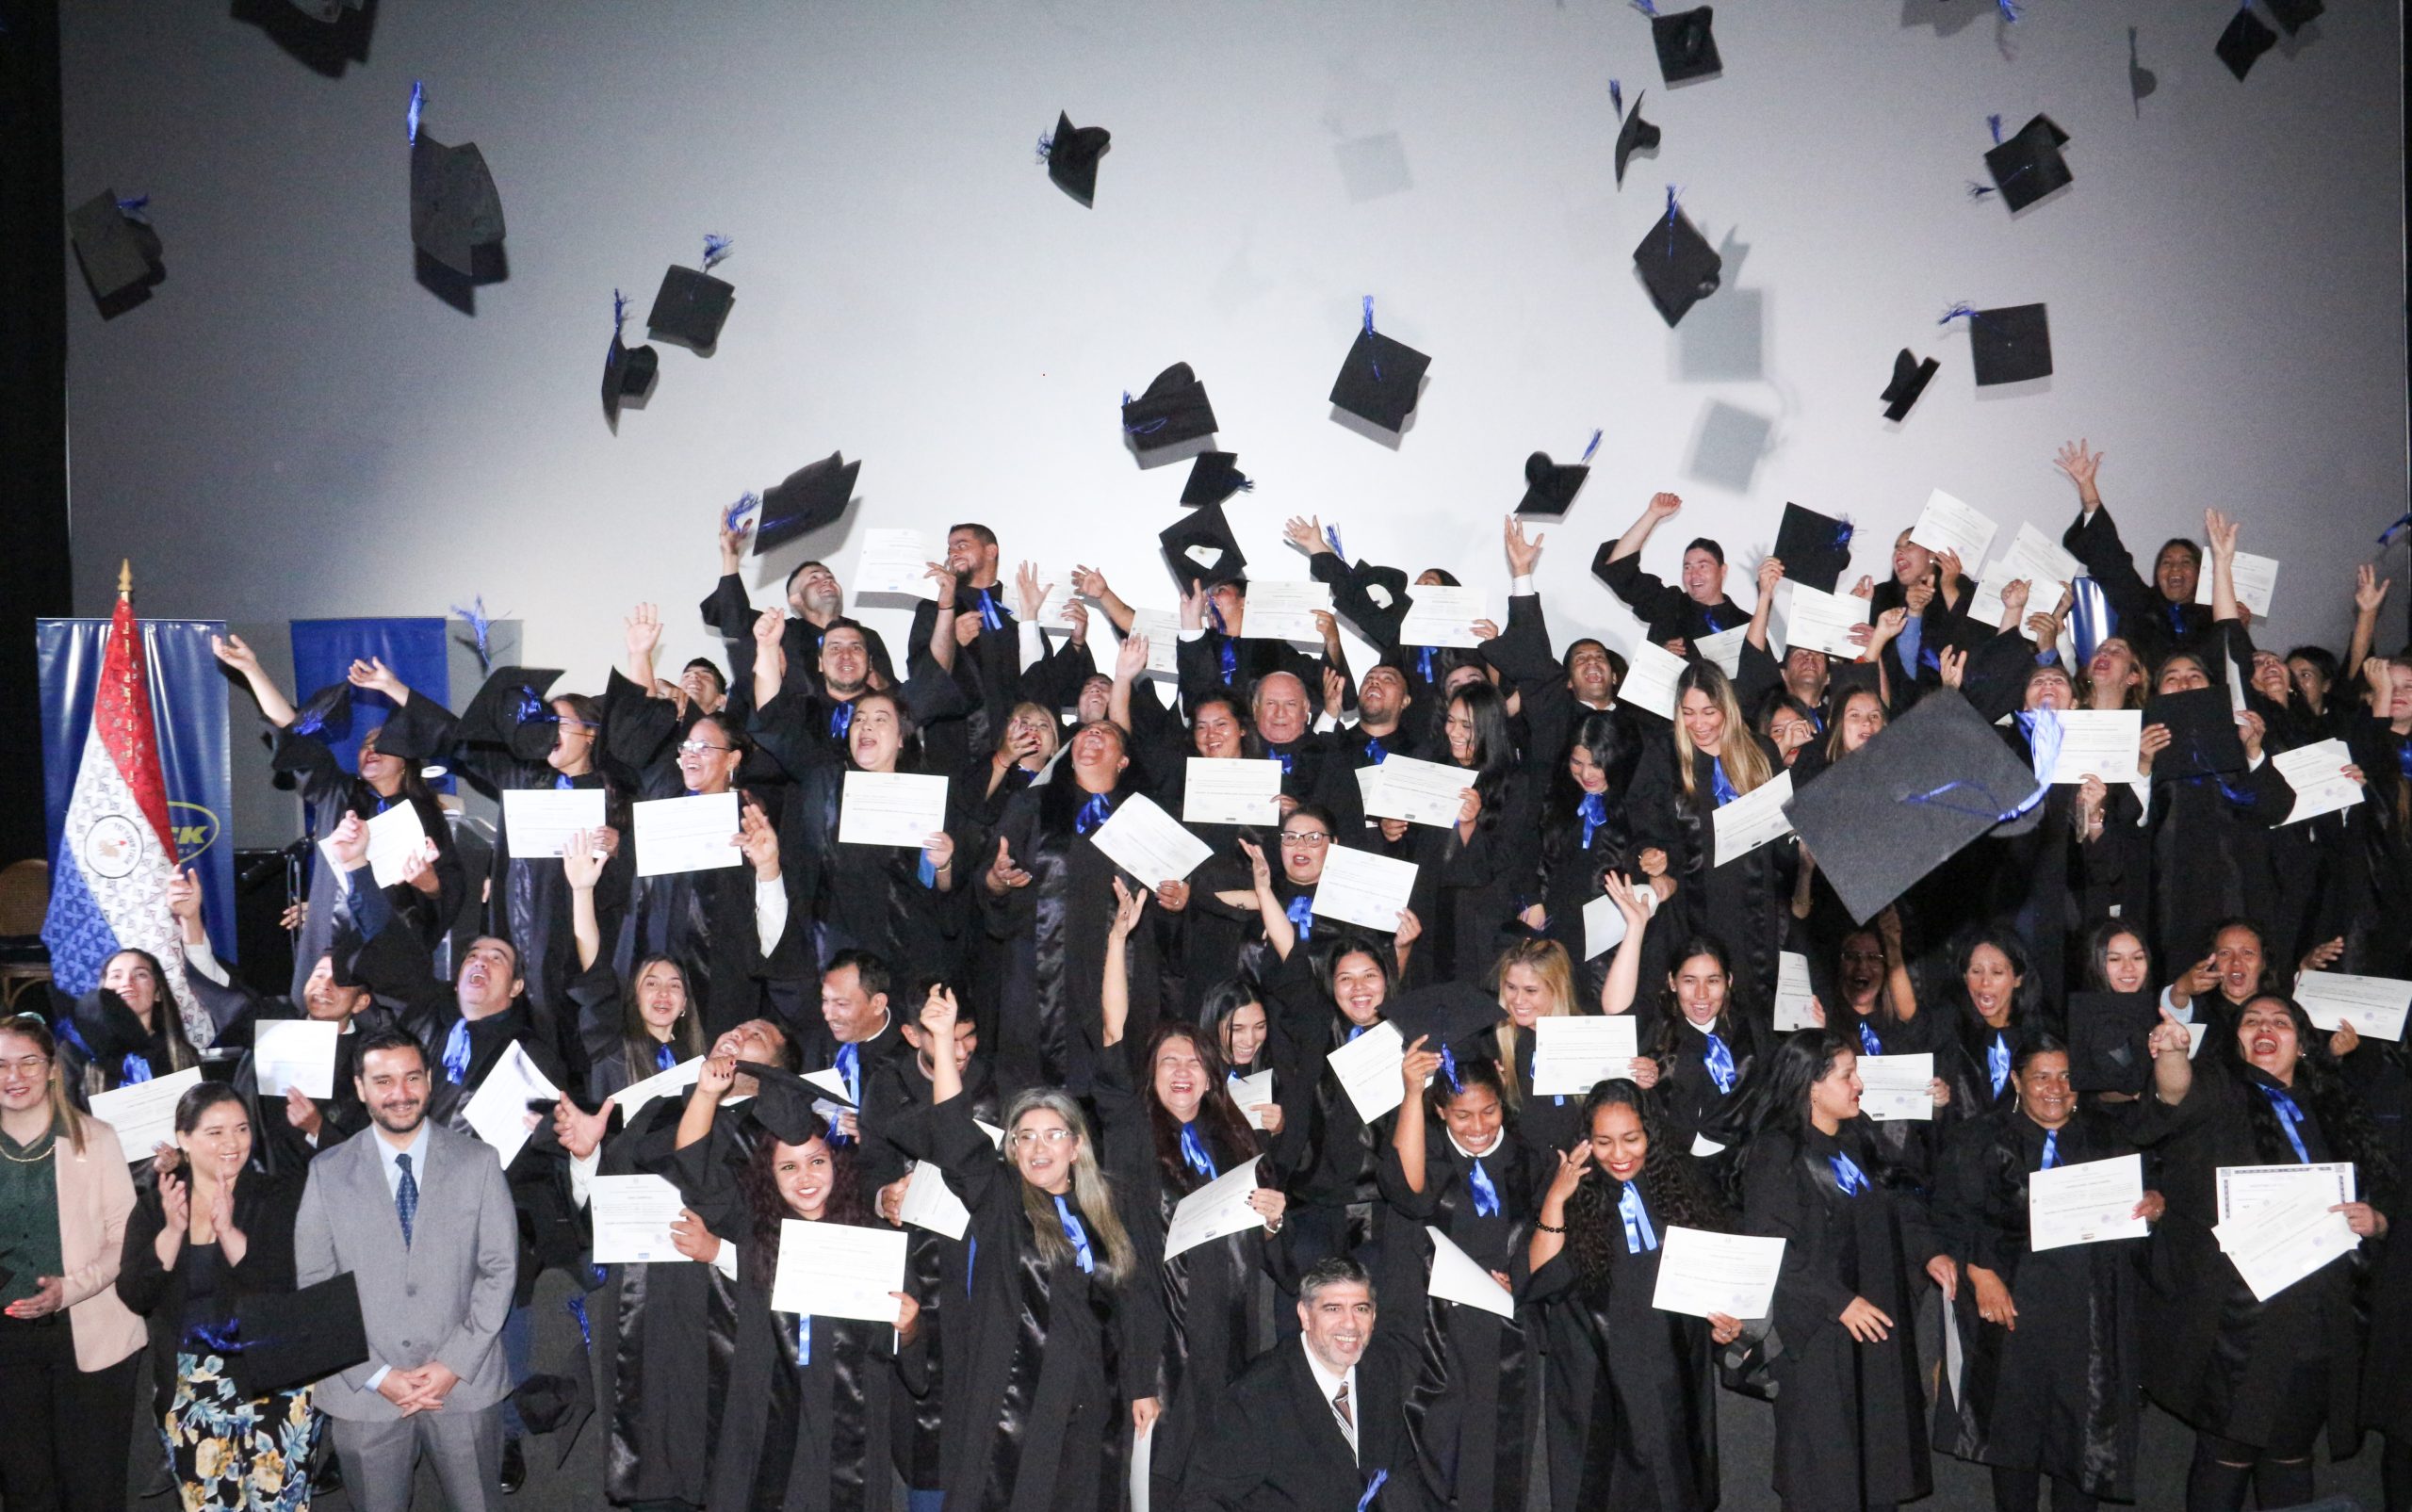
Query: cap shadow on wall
(324, 36)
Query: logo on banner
(112, 847)
(196, 829)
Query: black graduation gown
(98, 1032)
(1973, 1055)
(1329, 1157)
(1041, 1420)
(1689, 1097)
(1669, 612)
(1850, 1428)
(1475, 888)
(727, 611)
(1745, 902)
(2150, 623)
(1477, 1399)
(279, 1147)
(2061, 1392)
(1909, 1147)
(1637, 1429)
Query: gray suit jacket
(442, 1297)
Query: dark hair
(757, 1183)
(167, 1014)
(1593, 1230)
(1615, 663)
(2025, 1002)
(1220, 1124)
(1494, 748)
(2193, 552)
(1317, 812)
(1448, 578)
(1671, 1018)
(391, 1039)
(2344, 1116)
(202, 1097)
(585, 707)
(908, 733)
(1702, 542)
(1888, 1013)
(842, 623)
(365, 800)
(1776, 1100)
(636, 1044)
(1224, 1000)
(734, 733)
(1334, 1270)
(1473, 1071)
(979, 533)
(870, 971)
(1326, 956)
(2043, 1042)
(2097, 951)
(1837, 702)
(2323, 660)
(1778, 699)
(1613, 746)
(809, 561)
(719, 678)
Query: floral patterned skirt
(234, 1455)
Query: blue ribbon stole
(1638, 1235)
(1847, 1174)
(1376, 753)
(1095, 812)
(1868, 1043)
(2051, 1148)
(1486, 1194)
(842, 719)
(664, 1057)
(1078, 1233)
(1372, 1489)
(1193, 1149)
(456, 1052)
(2290, 1116)
(1301, 913)
(1998, 1061)
(133, 1068)
(804, 1338)
(989, 618)
(1719, 784)
(1593, 812)
(1229, 656)
(1423, 663)
(1721, 1063)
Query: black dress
(2058, 1393)
(1745, 901)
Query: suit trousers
(380, 1459)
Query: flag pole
(124, 578)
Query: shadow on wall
(324, 46)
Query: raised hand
(1523, 554)
(1030, 594)
(1260, 871)
(581, 861)
(231, 650)
(1306, 534)
(1127, 907)
(1090, 583)
(1418, 1066)
(1946, 566)
(939, 1014)
(1076, 614)
(2370, 589)
(349, 842)
(374, 675)
(1953, 665)
(1663, 504)
(183, 898)
(2221, 532)
(1571, 1166)
(1132, 660)
(769, 627)
(760, 840)
(1865, 588)
(1770, 573)
(642, 630)
(2014, 599)
(1003, 875)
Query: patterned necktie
(1638, 1235)
(2290, 1116)
(1339, 1408)
(842, 719)
(2051, 1148)
(1193, 1149)
(456, 1052)
(989, 618)
(1594, 811)
(1847, 1173)
(1301, 913)
(1095, 812)
(1078, 1235)
(1868, 1043)
(1998, 1061)
(1719, 784)
(133, 1068)
(405, 1198)
(1721, 1063)
(664, 1057)
(1486, 1196)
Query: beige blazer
(95, 1195)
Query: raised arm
(1662, 506)
(1770, 573)
(2369, 592)
(582, 868)
(1407, 1133)
(274, 706)
(1090, 584)
(1113, 990)
(2221, 532)
(642, 635)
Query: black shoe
(514, 1467)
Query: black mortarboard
(806, 499)
(1815, 548)
(2011, 345)
(326, 713)
(2294, 15)
(1386, 587)
(1380, 379)
(119, 253)
(1073, 154)
(1910, 378)
(2028, 165)
(1214, 478)
(2106, 1040)
(1678, 266)
(628, 371)
(1200, 546)
(1925, 788)
(1686, 47)
(548, 1403)
(455, 209)
(285, 1340)
(1173, 410)
(509, 708)
(691, 304)
(2246, 39)
(783, 1102)
(1448, 1012)
(1550, 487)
(2202, 731)
(1635, 136)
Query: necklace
(37, 1156)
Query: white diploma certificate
(2257, 578)
(394, 838)
(661, 1084)
(1814, 620)
(1161, 628)
(891, 808)
(2374, 1005)
(2279, 1243)
(1754, 818)
(2098, 743)
(1421, 793)
(2317, 773)
(1792, 992)
(1366, 891)
(1725, 649)
(1604, 926)
(632, 1215)
(697, 833)
(1572, 1052)
(538, 820)
(834, 1270)
(930, 1203)
(1700, 1273)
(144, 1113)
(1253, 1094)
(1149, 843)
(295, 1053)
(2034, 559)
(1895, 1087)
(1948, 525)
(2086, 1203)
(1368, 1070)
(2243, 1189)
(898, 561)
(1234, 791)
(1218, 1208)
(497, 1111)
(1285, 612)
(1457, 1279)
(1650, 679)
(1444, 616)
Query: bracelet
(1549, 1227)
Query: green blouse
(28, 1216)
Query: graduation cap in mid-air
(1677, 265)
(1173, 410)
(1815, 548)
(1071, 154)
(1635, 136)
(456, 211)
(2027, 166)
(118, 249)
(2245, 40)
(327, 11)
(1550, 486)
(2294, 15)
(807, 499)
(628, 371)
(2008, 345)
(1685, 40)
(1212, 477)
(1910, 378)
(1380, 378)
(1201, 547)
(691, 304)
(510, 709)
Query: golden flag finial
(124, 577)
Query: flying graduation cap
(509, 708)
(1214, 478)
(691, 304)
(1173, 410)
(1201, 547)
(1070, 154)
(2294, 15)
(1550, 487)
(118, 250)
(456, 212)
(2009, 344)
(2028, 165)
(628, 371)
(2245, 40)
(1379, 379)
(1815, 548)
(1910, 378)
(807, 499)
(1678, 266)
(1635, 136)
(1685, 40)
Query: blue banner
(412, 649)
(187, 707)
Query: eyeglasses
(1305, 837)
(32, 1066)
(1024, 1138)
(699, 747)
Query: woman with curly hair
(1633, 1425)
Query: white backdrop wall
(294, 426)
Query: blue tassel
(1449, 1070)
(1616, 97)
(132, 208)
(2009, 10)
(577, 1306)
(223, 1340)
(310, 723)
(1978, 191)
(1673, 195)
(1373, 358)
(1331, 535)
(1592, 447)
(1046, 146)
(1993, 123)
(481, 629)
(715, 247)
(1955, 312)
(530, 707)
(418, 103)
(1843, 530)
(1372, 1489)
(745, 505)
(1148, 430)
(2387, 537)
(1646, 8)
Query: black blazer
(264, 1210)
(1273, 1442)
